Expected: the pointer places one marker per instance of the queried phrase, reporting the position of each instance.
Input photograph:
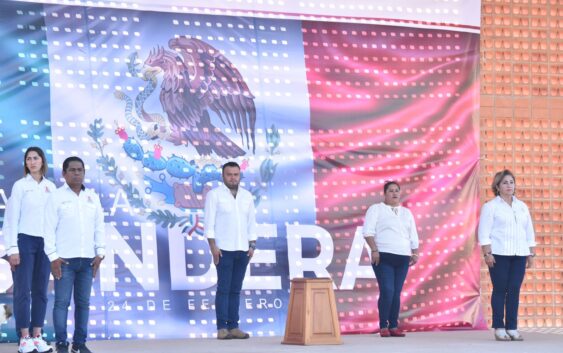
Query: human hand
(375, 257)
(14, 261)
(490, 260)
(96, 265)
(250, 253)
(56, 266)
(216, 252)
(529, 262)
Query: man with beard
(230, 224)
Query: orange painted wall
(521, 122)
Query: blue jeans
(506, 275)
(230, 274)
(391, 273)
(31, 280)
(77, 275)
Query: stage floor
(544, 341)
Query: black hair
(388, 184)
(41, 154)
(229, 165)
(67, 161)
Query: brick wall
(522, 129)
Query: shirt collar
(66, 186)
(28, 177)
(225, 188)
(515, 201)
(500, 199)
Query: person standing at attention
(24, 237)
(507, 239)
(75, 245)
(230, 228)
(390, 232)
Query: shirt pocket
(225, 206)
(89, 211)
(521, 216)
(245, 205)
(32, 199)
(67, 210)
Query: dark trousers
(230, 274)
(76, 277)
(31, 280)
(506, 275)
(391, 273)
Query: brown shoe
(384, 332)
(396, 332)
(238, 334)
(224, 334)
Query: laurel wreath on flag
(193, 222)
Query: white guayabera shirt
(508, 229)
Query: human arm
(210, 212)
(530, 239)
(486, 221)
(50, 227)
(374, 252)
(215, 251)
(414, 241)
(10, 226)
(251, 221)
(49, 237)
(14, 258)
(99, 237)
(369, 231)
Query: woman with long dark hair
(23, 233)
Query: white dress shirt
(508, 229)
(25, 210)
(230, 221)
(74, 224)
(393, 233)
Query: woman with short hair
(507, 239)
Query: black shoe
(62, 347)
(80, 348)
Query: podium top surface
(312, 280)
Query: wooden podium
(312, 317)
